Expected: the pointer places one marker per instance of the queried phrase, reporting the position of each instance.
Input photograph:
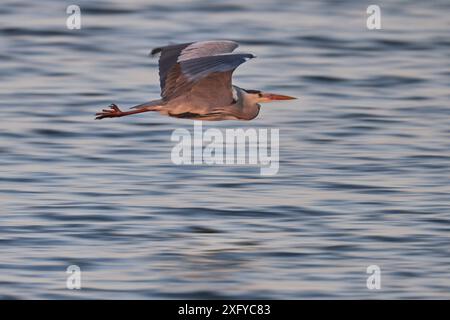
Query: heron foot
(112, 112)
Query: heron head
(261, 96)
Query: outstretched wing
(206, 78)
(204, 68)
(171, 55)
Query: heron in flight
(195, 80)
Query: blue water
(364, 154)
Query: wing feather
(172, 54)
(185, 74)
(195, 69)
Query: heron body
(196, 83)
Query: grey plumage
(195, 80)
(173, 54)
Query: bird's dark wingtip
(155, 51)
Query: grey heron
(195, 80)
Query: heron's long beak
(267, 97)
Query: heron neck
(248, 104)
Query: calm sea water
(364, 154)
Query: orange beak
(266, 97)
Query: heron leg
(115, 112)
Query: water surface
(364, 154)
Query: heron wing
(213, 91)
(173, 54)
(204, 81)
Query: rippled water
(364, 154)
